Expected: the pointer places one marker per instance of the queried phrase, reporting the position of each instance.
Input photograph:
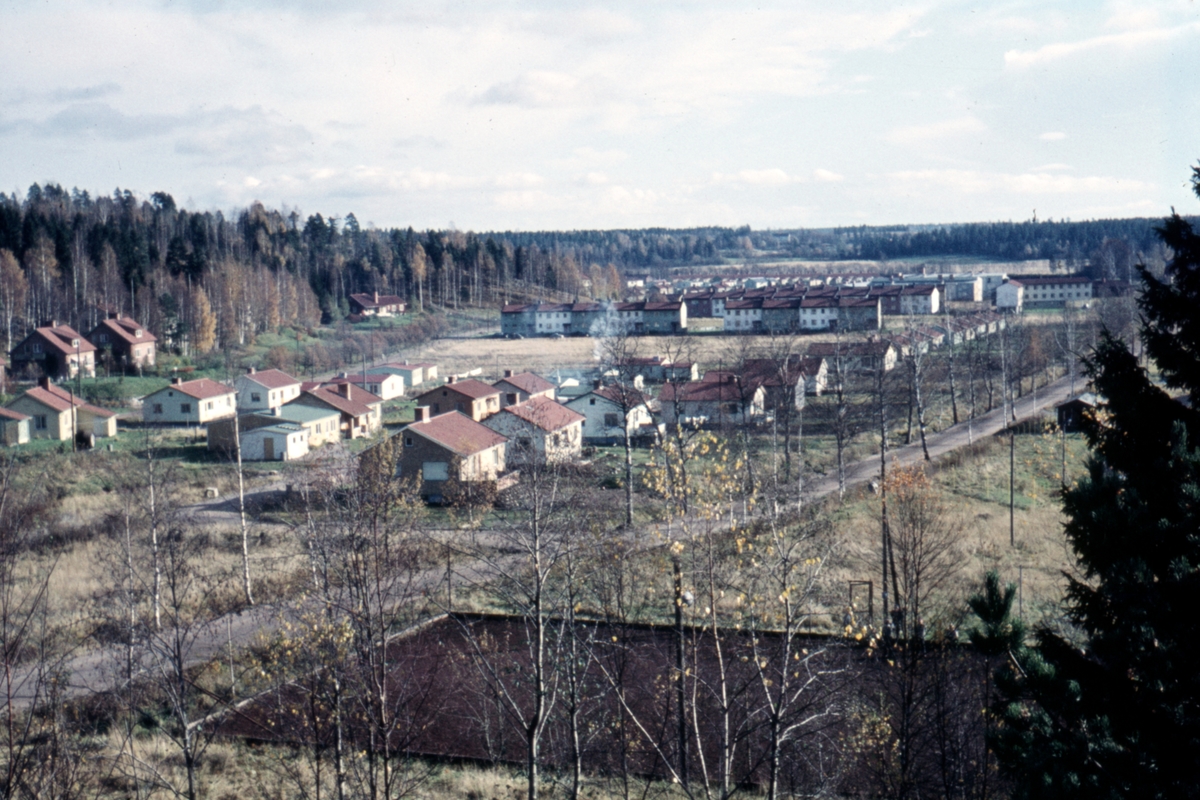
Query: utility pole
(1012, 484)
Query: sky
(491, 116)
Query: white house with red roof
(14, 427)
(58, 351)
(130, 344)
(539, 429)
(260, 390)
(434, 446)
(56, 413)
(385, 385)
(610, 411)
(195, 402)
(376, 304)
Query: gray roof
(293, 412)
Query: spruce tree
(1114, 712)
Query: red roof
(201, 388)
(458, 433)
(272, 378)
(377, 301)
(126, 330)
(60, 400)
(544, 413)
(469, 388)
(708, 391)
(8, 413)
(358, 404)
(618, 394)
(527, 382)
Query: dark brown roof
(62, 338)
(272, 378)
(469, 388)
(544, 413)
(370, 301)
(60, 400)
(527, 382)
(852, 349)
(201, 388)
(458, 433)
(126, 330)
(707, 391)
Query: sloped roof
(528, 382)
(468, 388)
(852, 349)
(369, 301)
(201, 389)
(272, 378)
(126, 330)
(544, 413)
(358, 404)
(708, 391)
(8, 413)
(457, 432)
(62, 337)
(60, 400)
(297, 413)
(618, 394)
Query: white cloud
(755, 177)
(1052, 136)
(1128, 40)
(826, 176)
(933, 131)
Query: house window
(39, 422)
(592, 401)
(510, 398)
(436, 470)
(185, 408)
(158, 408)
(255, 397)
(209, 406)
(611, 421)
(408, 441)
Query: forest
(204, 281)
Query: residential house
(1055, 291)
(518, 319)
(376, 304)
(57, 351)
(128, 343)
(522, 386)
(361, 411)
(433, 446)
(282, 441)
(657, 369)
(55, 413)
(474, 398)
(847, 357)
(1010, 296)
(920, 300)
(321, 425)
(14, 427)
(413, 374)
(744, 316)
(610, 411)
(1071, 413)
(539, 429)
(387, 386)
(195, 402)
(721, 398)
(266, 389)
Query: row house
(721, 398)
(846, 357)
(1055, 291)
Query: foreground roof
(458, 433)
(544, 413)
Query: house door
(268, 448)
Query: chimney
(44, 381)
(176, 381)
(344, 375)
(508, 373)
(729, 379)
(452, 379)
(250, 370)
(377, 298)
(49, 323)
(596, 384)
(113, 315)
(421, 414)
(344, 390)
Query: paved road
(952, 438)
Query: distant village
(829, 303)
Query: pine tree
(1120, 716)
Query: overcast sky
(556, 115)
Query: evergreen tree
(1119, 716)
